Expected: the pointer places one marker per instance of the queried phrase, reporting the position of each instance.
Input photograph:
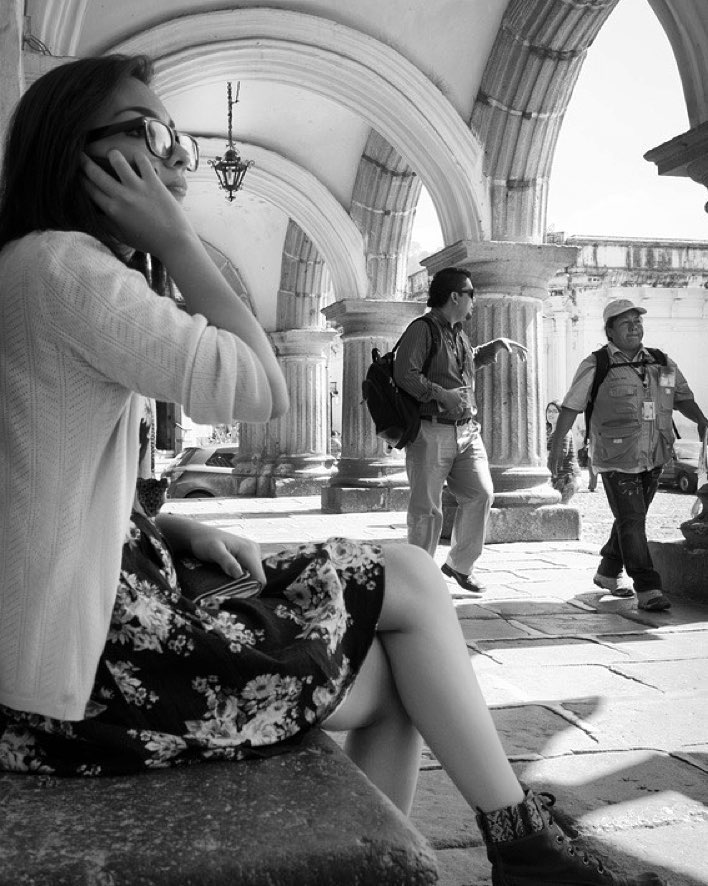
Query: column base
(683, 569)
(301, 475)
(545, 523)
(358, 499)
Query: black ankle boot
(527, 847)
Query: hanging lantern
(230, 169)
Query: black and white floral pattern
(179, 682)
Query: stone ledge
(683, 570)
(544, 523)
(308, 817)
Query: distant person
(106, 667)
(449, 444)
(566, 481)
(631, 436)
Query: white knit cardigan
(80, 335)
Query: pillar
(511, 283)
(369, 477)
(299, 440)
(556, 339)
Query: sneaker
(652, 601)
(613, 585)
(464, 581)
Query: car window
(186, 455)
(687, 449)
(222, 458)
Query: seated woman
(105, 667)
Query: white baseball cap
(619, 306)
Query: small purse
(198, 581)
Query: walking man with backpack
(436, 364)
(628, 393)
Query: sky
(628, 99)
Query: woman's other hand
(232, 553)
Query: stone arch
(305, 283)
(309, 203)
(686, 26)
(384, 199)
(526, 86)
(356, 71)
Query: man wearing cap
(631, 435)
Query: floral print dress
(227, 678)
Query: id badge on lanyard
(648, 410)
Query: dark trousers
(629, 496)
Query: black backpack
(396, 413)
(603, 365)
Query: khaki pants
(457, 455)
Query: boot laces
(547, 800)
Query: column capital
(684, 155)
(372, 317)
(302, 342)
(499, 266)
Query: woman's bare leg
(436, 684)
(381, 739)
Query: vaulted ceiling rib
(384, 198)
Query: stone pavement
(602, 705)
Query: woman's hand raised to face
(140, 209)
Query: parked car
(682, 470)
(203, 472)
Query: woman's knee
(412, 577)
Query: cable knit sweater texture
(80, 336)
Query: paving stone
(545, 651)
(464, 867)
(606, 792)
(652, 721)
(678, 851)
(532, 607)
(568, 683)
(441, 815)
(682, 676)
(489, 629)
(655, 646)
(582, 623)
(532, 729)
(473, 609)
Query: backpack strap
(435, 334)
(602, 367)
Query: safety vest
(631, 427)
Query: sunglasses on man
(160, 139)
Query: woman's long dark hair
(41, 187)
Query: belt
(445, 421)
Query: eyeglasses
(160, 138)
(469, 292)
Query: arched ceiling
(468, 95)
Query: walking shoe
(527, 847)
(613, 585)
(464, 581)
(652, 601)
